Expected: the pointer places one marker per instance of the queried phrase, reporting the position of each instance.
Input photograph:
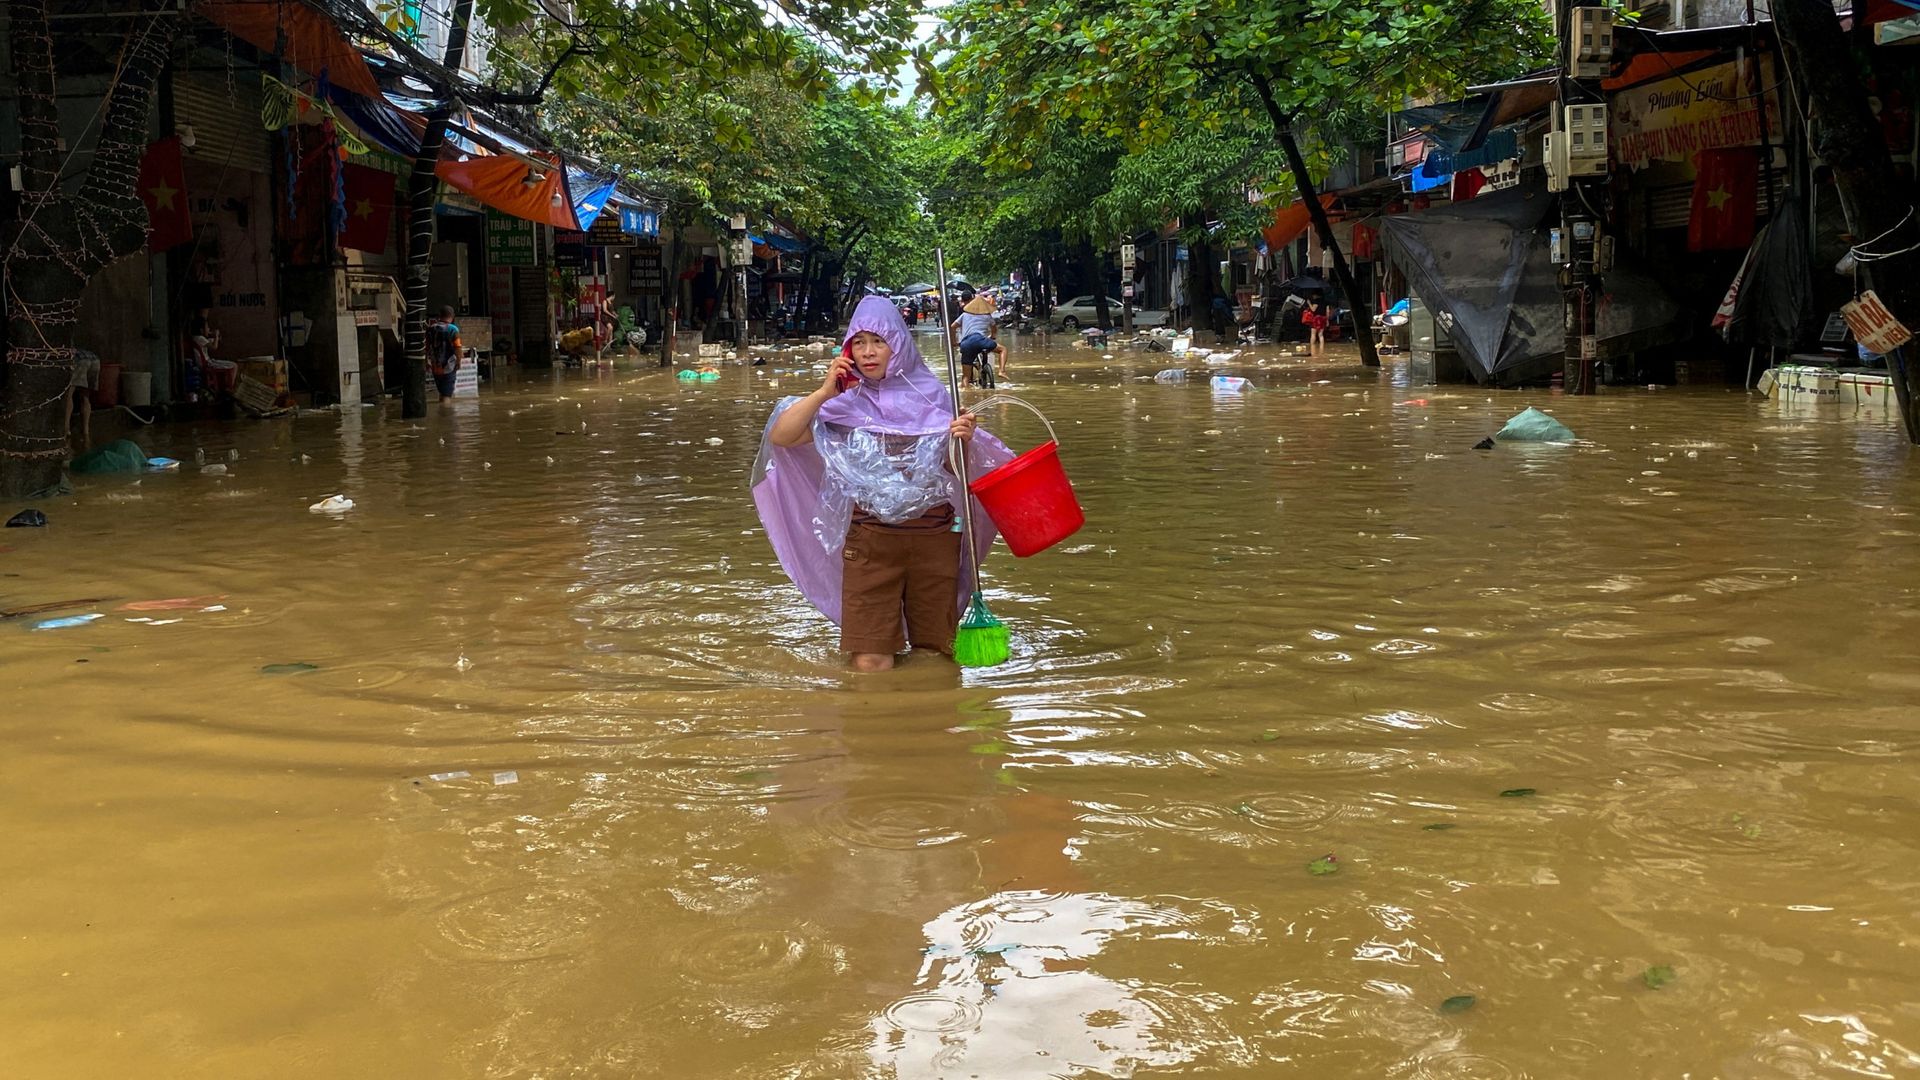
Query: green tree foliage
(1168, 92)
(1143, 70)
(650, 56)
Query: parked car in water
(1079, 312)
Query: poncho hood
(910, 400)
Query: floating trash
(65, 622)
(1532, 425)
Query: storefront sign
(644, 270)
(606, 233)
(639, 222)
(1674, 119)
(510, 241)
(1873, 326)
(570, 250)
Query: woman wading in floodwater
(855, 488)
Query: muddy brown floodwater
(533, 765)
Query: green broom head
(982, 639)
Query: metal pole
(1579, 233)
(965, 506)
(742, 254)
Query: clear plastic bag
(896, 478)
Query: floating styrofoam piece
(332, 504)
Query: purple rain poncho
(882, 444)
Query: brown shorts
(893, 577)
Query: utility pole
(742, 255)
(1126, 285)
(1577, 169)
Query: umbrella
(1307, 283)
(915, 290)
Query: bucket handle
(1009, 399)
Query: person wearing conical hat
(975, 331)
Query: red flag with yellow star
(162, 185)
(369, 197)
(1725, 184)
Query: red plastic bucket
(107, 394)
(1030, 500)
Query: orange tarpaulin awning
(1655, 65)
(298, 34)
(1290, 222)
(500, 181)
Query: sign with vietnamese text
(606, 232)
(1873, 326)
(510, 241)
(570, 250)
(645, 273)
(1675, 118)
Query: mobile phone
(848, 379)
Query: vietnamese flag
(369, 198)
(1725, 185)
(162, 185)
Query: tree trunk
(1096, 283)
(56, 242)
(1848, 138)
(1201, 274)
(423, 188)
(1361, 304)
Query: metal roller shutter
(226, 129)
(1669, 207)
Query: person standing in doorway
(1222, 316)
(443, 352)
(80, 390)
